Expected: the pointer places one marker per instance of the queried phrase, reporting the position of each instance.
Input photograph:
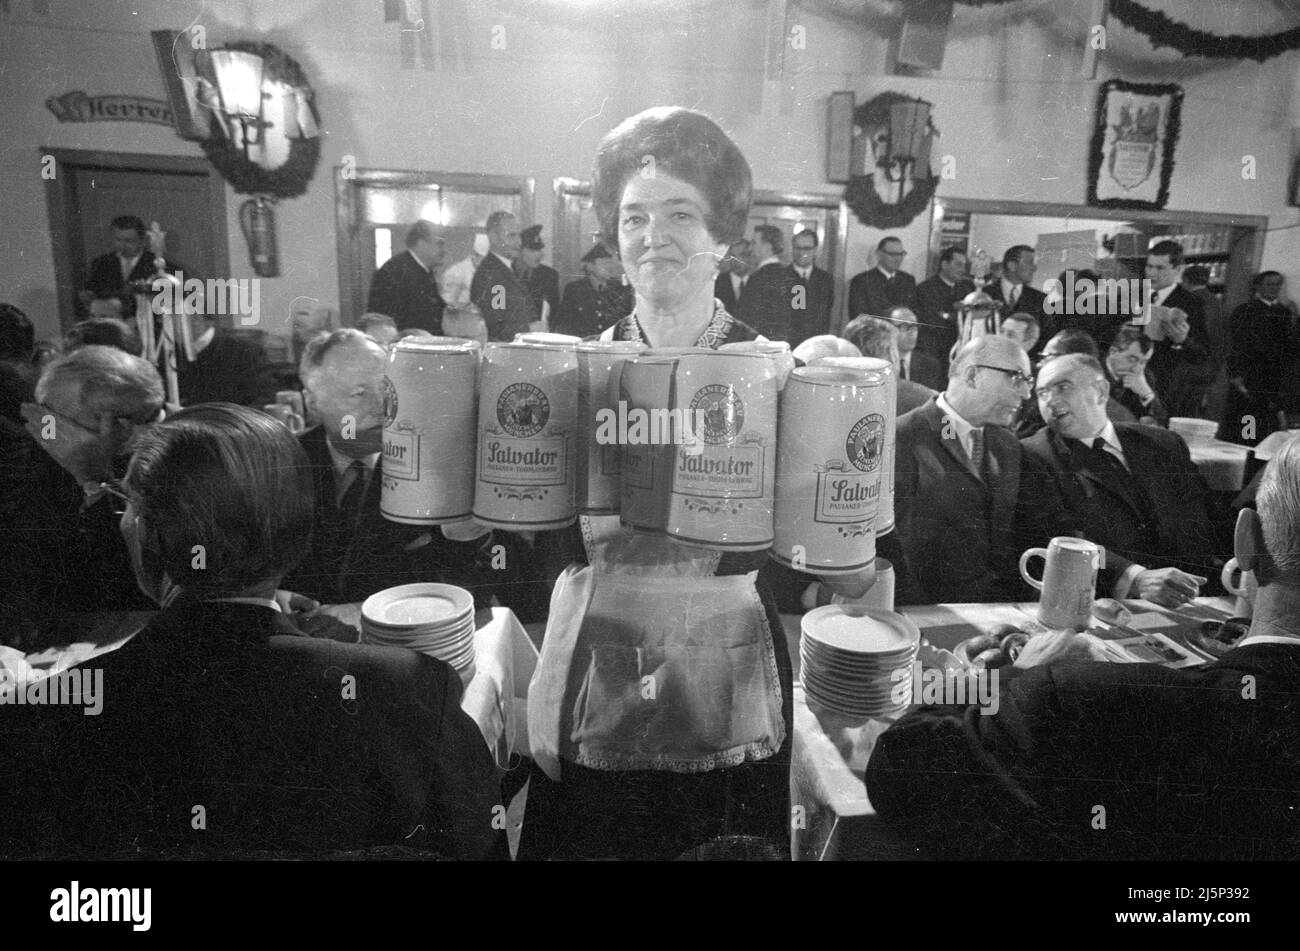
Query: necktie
(1106, 456)
(1015, 296)
(354, 490)
(977, 450)
(905, 362)
(743, 282)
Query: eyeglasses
(111, 488)
(1017, 378)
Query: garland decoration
(861, 195)
(1162, 31)
(247, 177)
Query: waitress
(660, 716)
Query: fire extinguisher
(257, 220)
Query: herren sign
(78, 107)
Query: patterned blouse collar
(714, 336)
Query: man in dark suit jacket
(1016, 293)
(1131, 488)
(967, 500)
(733, 273)
(936, 306)
(1265, 345)
(1060, 771)
(506, 302)
(884, 286)
(1163, 270)
(230, 367)
(355, 551)
(221, 730)
(541, 280)
(914, 365)
(766, 303)
(810, 314)
(112, 273)
(596, 301)
(405, 287)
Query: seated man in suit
(1085, 760)
(355, 551)
(1131, 384)
(967, 501)
(222, 729)
(877, 337)
(885, 285)
(1131, 488)
(59, 543)
(229, 366)
(914, 365)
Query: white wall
(1012, 108)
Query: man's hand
(1137, 383)
(1239, 385)
(292, 603)
(1167, 586)
(85, 454)
(1177, 325)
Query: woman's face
(667, 251)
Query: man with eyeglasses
(885, 285)
(967, 499)
(1129, 487)
(59, 507)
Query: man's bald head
(988, 380)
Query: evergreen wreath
(861, 196)
(245, 176)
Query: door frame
(58, 203)
(347, 180)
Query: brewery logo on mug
(724, 413)
(522, 410)
(389, 394)
(866, 443)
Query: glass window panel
(383, 246)
(465, 209)
(397, 206)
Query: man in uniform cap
(596, 301)
(542, 281)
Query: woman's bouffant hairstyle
(687, 145)
(231, 479)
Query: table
(832, 817)
(1221, 464)
(504, 660)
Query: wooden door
(184, 196)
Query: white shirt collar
(1162, 294)
(1007, 287)
(504, 260)
(261, 602)
(804, 272)
(1113, 445)
(736, 279)
(1268, 639)
(947, 282)
(962, 428)
(202, 340)
(418, 261)
(342, 463)
(770, 259)
(887, 274)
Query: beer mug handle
(1230, 569)
(1024, 559)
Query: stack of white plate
(849, 663)
(434, 619)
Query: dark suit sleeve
(858, 296)
(383, 298)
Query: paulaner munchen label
(599, 371)
(722, 479)
(882, 370)
(430, 412)
(830, 468)
(527, 419)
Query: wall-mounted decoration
(891, 182)
(264, 133)
(76, 106)
(1131, 158)
(180, 75)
